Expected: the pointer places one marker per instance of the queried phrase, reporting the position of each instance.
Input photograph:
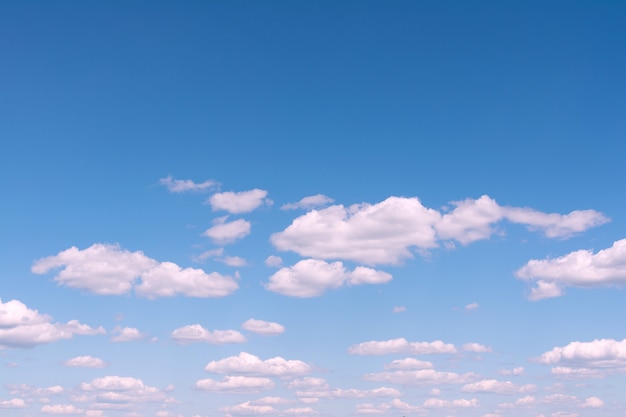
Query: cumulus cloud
(273, 261)
(21, 327)
(196, 333)
(29, 391)
(110, 270)
(236, 384)
(390, 231)
(126, 334)
(460, 403)
(421, 377)
(498, 387)
(265, 328)
(85, 362)
(61, 409)
(592, 402)
(220, 256)
(597, 358)
(242, 202)
(401, 345)
(408, 363)
(181, 186)
(582, 269)
(513, 372)
(311, 278)
(223, 232)
(328, 393)
(12, 403)
(118, 392)
(476, 347)
(246, 363)
(312, 201)
(247, 408)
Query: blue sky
(312, 209)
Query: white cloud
(273, 261)
(308, 383)
(380, 392)
(598, 358)
(127, 334)
(117, 392)
(218, 255)
(311, 278)
(388, 232)
(109, 270)
(236, 384)
(247, 408)
(476, 347)
(513, 372)
(581, 268)
(265, 328)
(196, 333)
(85, 362)
(407, 364)
(592, 402)
(180, 186)
(63, 409)
(399, 309)
(28, 391)
(460, 403)
(472, 306)
(401, 345)
(246, 363)
(300, 411)
(12, 403)
(312, 201)
(421, 377)
(236, 203)
(224, 232)
(21, 327)
(498, 387)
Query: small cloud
(85, 362)
(399, 309)
(181, 186)
(224, 232)
(12, 365)
(220, 256)
(265, 328)
(242, 202)
(274, 261)
(126, 334)
(472, 306)
(309, 202)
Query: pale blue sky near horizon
(105, 105)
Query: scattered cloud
(513, 372)
(582, 269)
(498, 387)
(421, 377)
(408, 364)
(12, 403)
(236, 384)
(126, 334)
(265, 328)
(460, 403)
(273, 261)
(85, 362)
(472, 306)
(181, 186)
(388, 232)
(247, 408)
(595, 359)
(476, 347)
(399, 309)
(196, 333)
(312, 201)
(224, 232)
(237, 203)
(246, 363)
(312, 277)
(401, 345)
(220, 256)
(21, 327)
(110, 270)
(61, 409)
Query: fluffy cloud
(109, 270)
(388, 232)
(218, 255)
(498, 387)
(515, 371)
(592, 402)
(61, 409)
(236, 203)
(273, 261)
(28, 391)
(246, 363)
(127, 334)
(312, 201)
(22, 327)
(351, 393)
(12, 403)
(421, 377)
(401, 345)
(112, 392)
(476, 347)
(265, 328)
(311, 277)
(223, 232)
(236, 384)
(598, 358)
(196, 333)
(85, 362)
(581, 268)
(247, 408)
(472, 306)
(460, 403)
(407, 364)
(180, 186)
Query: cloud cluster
(117, 392)
(581, 268)
(312, 277)
(595, 359)
(388, 232)
(110, 270)
(21, 327)
(246, 363)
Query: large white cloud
(390, 231)
(312, 277)
(246, 363)
(595, 359)
(223, 231)
(401, 345)
(110, 270)
(581, 268)
(265, 328)
(242, 202)
(196, 333)
(236, 384)
(24, 327)
(180, 186)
